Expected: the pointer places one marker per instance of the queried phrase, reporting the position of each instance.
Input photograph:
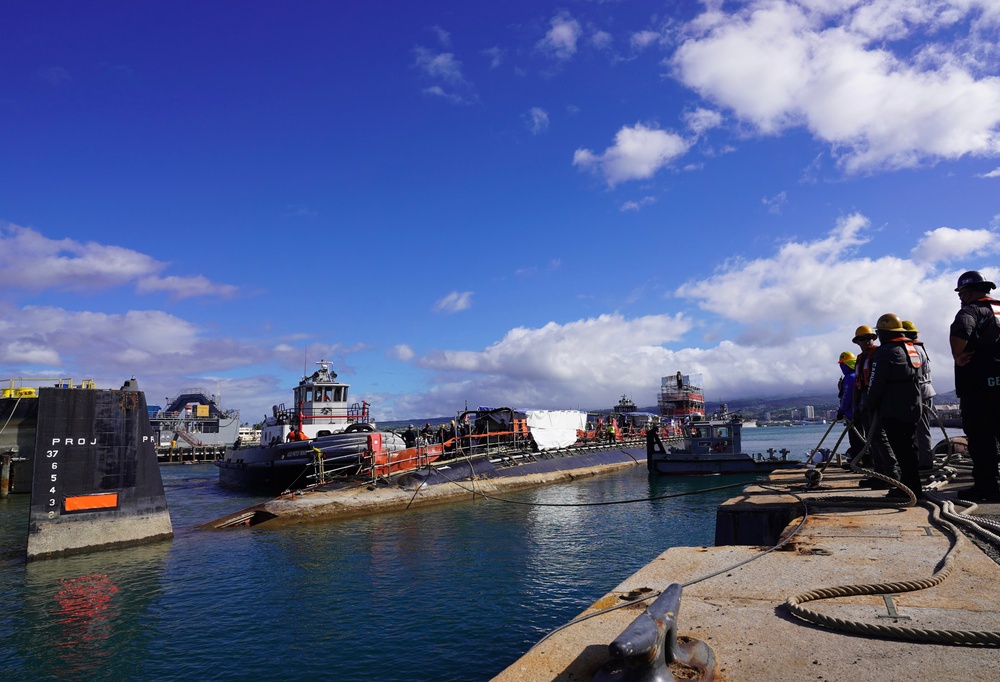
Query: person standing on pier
(879, 456)
(894, 393)
(975, 346)
(847, 362)
(925, 443)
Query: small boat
(706, 446)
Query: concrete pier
(847, 538)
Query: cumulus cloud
(830, 68)
(31, 261)
(560, 42)
(454, 302)
(186, 287)
(537, 120)
(495, 55)
(702, 119)
(767, 326)
(439, 65)
(445, 70)
(947, 244)
(640, 40)
(637, 205)
(995, 173)
(602, 40)
(638, 153)
(401, 352)
(776, 203)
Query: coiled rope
(896, 632)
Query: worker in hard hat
(975, 345)
(894, 393)
(925, 442)
(845, 390)
(878, 451)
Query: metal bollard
(644, 651)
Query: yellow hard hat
(910, 327)
(862, 331)
(847, 358)
(889, 323)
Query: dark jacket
(976, 324)
(895, 391)
(847, 391)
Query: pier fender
(649, 650)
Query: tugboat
(321, 435)
(708, 445)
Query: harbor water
(454, 592)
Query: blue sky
(536, 204)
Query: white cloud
(702, 119)
(947, 244)
(495, 55)
(186, 287)
(446, 70)
(601, 40)
(769, 326)
(401, 352)
(561, 39)
(995, 173)
(637, 205)
(454, 302)
(829, 67)
(29, 260)
(442, 65)
(32, 261)
(537, 120)
(438, 91)
(443, 36)
(638, 153)
(776, 203)
(643, 39)
(559, 364)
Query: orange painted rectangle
(88, 502)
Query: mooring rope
(897, 632)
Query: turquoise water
(456, 592)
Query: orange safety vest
(911, 351)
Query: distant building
(810, 412)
